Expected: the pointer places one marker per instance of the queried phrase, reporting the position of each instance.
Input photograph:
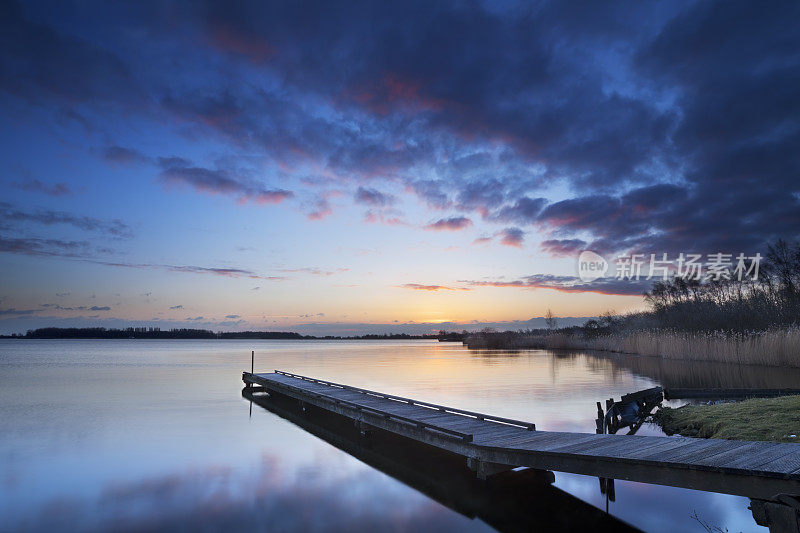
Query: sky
(361, 167)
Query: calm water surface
(147, 435)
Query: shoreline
(756, 419)
(778, 347)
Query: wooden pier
(759, 470)
(519, 500)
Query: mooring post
(252, 360)
(599, 422)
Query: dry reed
(776, 347)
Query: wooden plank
(559, 440)
(520, 441)
(560, 449)
(764, 455)
(692, 445)
(620, 448)
(664, 445)
(306, 379)
(691, 457)
(785, 464)
(491, 432)
(722, 459)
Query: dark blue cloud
(178, 171)
(12, 217)
(669, 126)
(34, 185)
(373, 197)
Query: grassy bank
(769, 419)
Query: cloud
(481, 196)
(431, 288)
(570, 284)
(523, 211)
(322, 208)
(45, 247)
(314, 271)
(177, 171)
(232, 316)
(17, 312)
(39, 63)
(449, 224)
(650, 127)
(385, 217)
(373, 197)
(508, 237)
(123, 156)
(512, 237)
(100, 308)
(563, 247)
(176, 307)
(431, 192)
(82, 251)
(11, 215)
(34, 185)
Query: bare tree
(550, 320)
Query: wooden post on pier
(600, 422)
(249, 385)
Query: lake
(138, 435)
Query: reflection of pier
(516, 500)
(759, 470)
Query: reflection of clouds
(299, 479)
(308, 497)
(636, 505)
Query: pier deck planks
(664, 460)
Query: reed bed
(776, 347)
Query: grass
(777, 347)
(766, 419)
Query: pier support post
(777, 516)
(486, 469)
(363, 428)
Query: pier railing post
(252, 360)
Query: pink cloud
(431, 288)
(512, 237)
(449, 224)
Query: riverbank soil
(769, 419)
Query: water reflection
(510, 501)
(135, 434)
(692, 374)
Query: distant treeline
(186, 333)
